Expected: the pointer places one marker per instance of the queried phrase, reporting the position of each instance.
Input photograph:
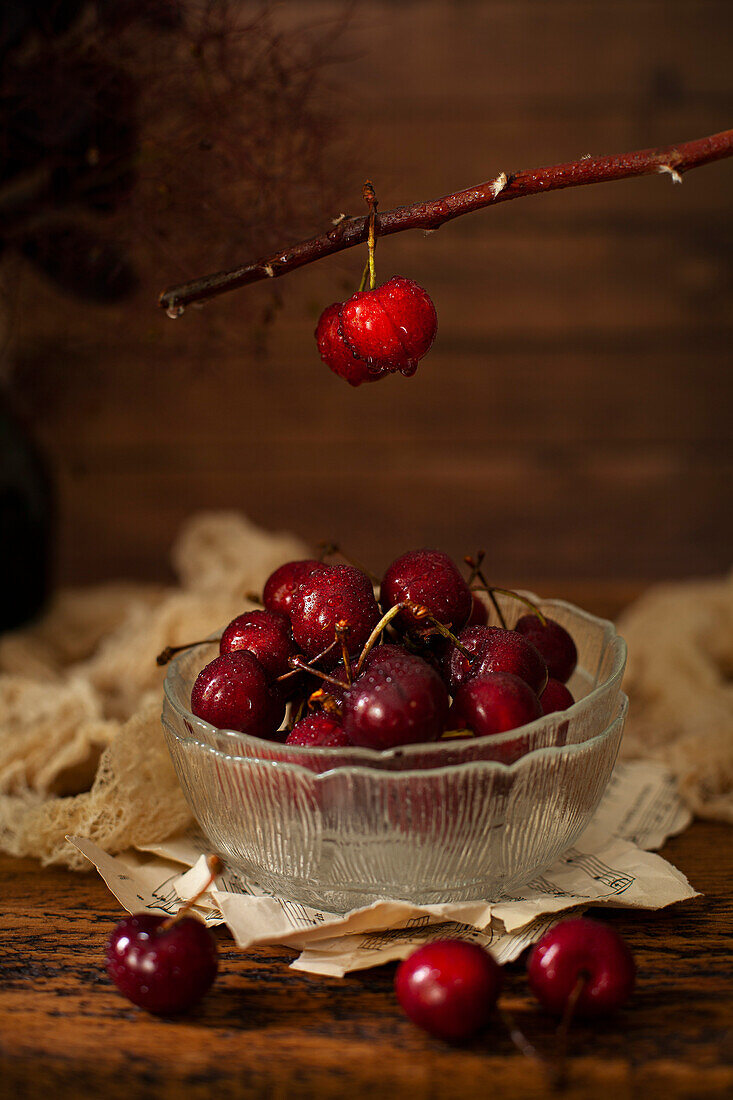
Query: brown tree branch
(672, 160)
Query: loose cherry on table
(583, 964)
(164, 964)
(449, 988)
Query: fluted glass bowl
(451, 821)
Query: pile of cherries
(418, 665)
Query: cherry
(584, 960)
(232, 692)
(320, 730)
(449, 988)
(555, 697)
(400, 701)
(335, 353)
(333, 595)
(479, 612)
(495, 650)
(554, 644)
(266, 634)
(165, 967)
(431, 579)
(496, 701)
(391, 327)
(281, 586)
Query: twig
(672, 160)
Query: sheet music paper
(610, 864)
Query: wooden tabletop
(266, 1030)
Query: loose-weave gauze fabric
(81, 743)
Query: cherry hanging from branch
(671, 160)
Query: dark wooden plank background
(574, 416)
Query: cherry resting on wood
(449, 988)
(164, 970)
(581, 949)
(233, 693)
(431, 579)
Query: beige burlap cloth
(81, 747)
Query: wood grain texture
(265, 1030)
(574, 414)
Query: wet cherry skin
(165, 971)
(391, 327)
(233, 692)
(281, 586)
(581, 947)
(449, 988)
(555, 697)
(322, 731)
(429, 578)
(496, 701)
(553, 642)
(266, 634)
(337, 355)
(494, 650)
(400, 701)
(334, 594)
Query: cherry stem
(370, 198)
(170, 651)
(431, 215)
(374, 636)
(559, 1075)
(520, 1040)
(522, 599)
(421, 612)
(216, 867)
(475, 565)
(296, 713)
(302, 666)
(342, 629)
(476, 572)
(328, 549)
(364, 276)
(318, 657)
(321, 698)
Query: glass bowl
(449, 821)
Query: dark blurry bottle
(26, 521)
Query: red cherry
(495, 650)
(232, 692)
(391, 327)
(581, 948)
(429, 578)
(266, 634)
(496, 701)
(400, 701)
(553, 642)
(281, 586)
(333, 594)
(165, 970)
(555, 697)
(449, 988)
(322, 730)
(335, 353)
